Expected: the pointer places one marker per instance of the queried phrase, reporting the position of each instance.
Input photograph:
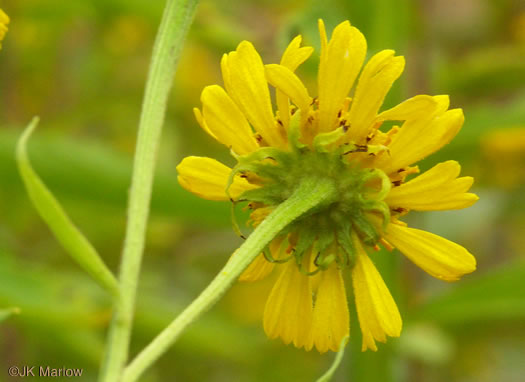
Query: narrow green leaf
(57, 220)
(6, 313)
(337, 360)
(97, 176)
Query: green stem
(176, 20)
(309, 193)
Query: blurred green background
(81, 66)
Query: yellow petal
(286, 81)
(341, 61)
(226, 77)
(413, 108)
(421, 137)
(295, 55)
(226, 122)
(288, 311)
(260, 267)
(331, 320)
(376, 309)
(437, 256)
(207, 178)
(4, 20)
(198, 116)
(374, 83)
(283, 105)
(249, 89)
(257, 270)
(436, 189)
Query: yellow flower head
(338, 138)
(4, 20)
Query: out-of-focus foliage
(81, 66)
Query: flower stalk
(310, 193)
(176, 20)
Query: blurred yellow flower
(505, 141)
(337, 138)
(4, 20)
(504, 149)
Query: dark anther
(397, 183)
(258, 137)
(310, 119)
(292, 112)
(279, 122)
(399, 210)
(314, 100)
(358, 149)
(339, 114)
(401, 170)
(342, 122)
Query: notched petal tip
(288, 310)
(437, 189)
(331, 318)
(376, 309)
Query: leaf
(337, 360)
(57, 220)
(98, 176)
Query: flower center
(328, 228)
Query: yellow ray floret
(293, 56)
(341, 61)
(437, 189)
(249, 89)
(260, 268)
(374, 83)
(288, 310)
(419, 138)
(226, 122)
(376, 309)
(208, 178)
(331, 319)
(437, 256)
(285, 80)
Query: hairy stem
(310, 193)
(176, 20)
